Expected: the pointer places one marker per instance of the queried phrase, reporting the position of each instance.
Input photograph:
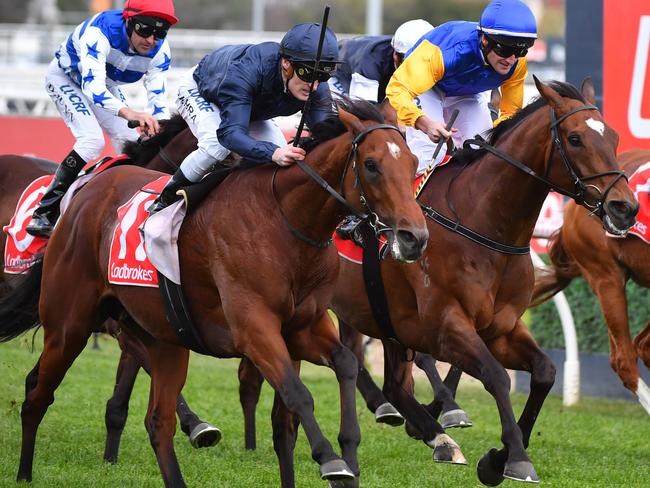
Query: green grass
(597, 444)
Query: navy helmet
(300, 45)
(509, 23)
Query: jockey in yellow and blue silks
(230, 98)
(452, 65)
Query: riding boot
(47, 212)
(168, 194)
(347, 227)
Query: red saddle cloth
(128, 263)
(640, 185)
(21, 248)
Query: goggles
(306, 72)
(507, 51)
(147, 30)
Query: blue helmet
(509, 22)
(300, 44)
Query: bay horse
(582, 248)
(462, 301)
(253, 289)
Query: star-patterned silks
(92, 50)
(101, 98)
(158, 110)
(88, 78)
(165, 64)
(159, 92)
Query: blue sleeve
(235, 100)
(321, 105)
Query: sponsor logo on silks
(128, 263)
(76, 101)
(202, 104)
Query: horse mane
(468, 155)
(332, 126)
(141, 152)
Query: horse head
(381, 181)
(582, 157)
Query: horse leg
(398, 387)
(168, 372)
(321, 344)
(260, 339)
(443, 401)
(285, 431)
(375, 399)
(117, 407)
(518, 350)
(62, 345)
(250, 386)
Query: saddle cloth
(640, 185)
(142, 245)
(22, 248)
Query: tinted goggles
(504, 51)
(148, 30)
(306, 72)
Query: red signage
(626, 70)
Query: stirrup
(40, 226)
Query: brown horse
(253, 289)
(462, 301)
(582, 248)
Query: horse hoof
(336, 470)
(445, 450)
(344, 483)
(412, 432)
(204, 435)
(489, 469)
(387, 414)
(521, 471)
(455, 418)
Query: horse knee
(345, 363)
(116, 415)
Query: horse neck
(307, 206)
(175, 150)
(509, 200)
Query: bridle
(369, 216)
(580, 188)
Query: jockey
(112, 48)
(368, 62)
(229, 99)
(459, 60)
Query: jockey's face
(298, 88)
(500, 64)
(141, 45)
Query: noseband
(370, 216)
(578, 195)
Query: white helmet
(408, 34)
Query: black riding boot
(168, 194)
(47, 212)
(347, 227)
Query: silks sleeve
(419, 72)
(512, 92)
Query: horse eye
(574, 140)
(371, 165)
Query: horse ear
(588, 90)
(351, 122)
(389, 112)
(551, 96)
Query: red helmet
(163, 9)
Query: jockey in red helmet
(110, 49)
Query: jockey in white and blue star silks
(110, 49)
(368, 62)
(452, 65)
(230, 98)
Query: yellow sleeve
(419, 72)
(512, 92)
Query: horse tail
(556, 277)
(19, 308)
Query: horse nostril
(407, 238)
(624, 209)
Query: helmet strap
(288, 72)
(485, 49)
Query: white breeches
(85, 119)
(203, 119)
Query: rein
(578, 196)
(370, 216)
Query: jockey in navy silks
(110, 49)
(230, 98)
(368, 62)
(452, 65)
